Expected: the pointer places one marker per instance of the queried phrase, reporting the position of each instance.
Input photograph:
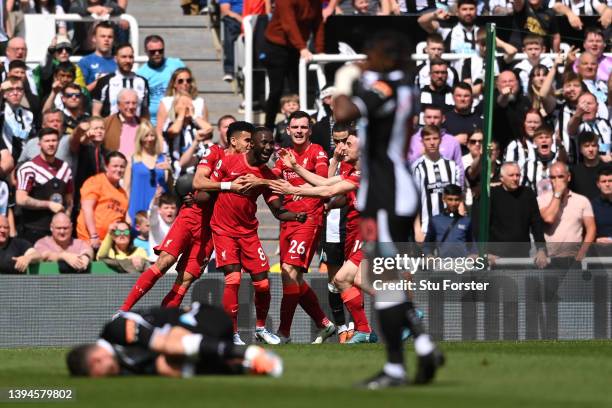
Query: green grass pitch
(478, 374)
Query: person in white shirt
(162, 214)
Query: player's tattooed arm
(282, 214)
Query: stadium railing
(39, 26)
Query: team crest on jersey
(305, 161)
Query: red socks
(144, 283)
(353, 300)
(262, 301)
(310, 304)
(291, 298)
(175, 296)
(230, 297)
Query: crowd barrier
(61, 310)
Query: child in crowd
(162, 213)
(142, 229)
(533, 46)
(289, 104)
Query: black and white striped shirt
(108, 87)
(423, 78)
(601, 127)
(431, 178)
(581, 7)
(535, 175)
(519, 153)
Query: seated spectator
(105, 94)
(602, 206)
(289, 104)
(587, 69)
(514, 215)
(44, 187)
(541, 90)
(449, 147)
(157, 71)
(437, 93)
(18, 121)
(535, 173)
(182, 80)
(595, 43)
(101, 61)
(523, 149)
(473, 70)
(86, 144)
(583, 179)
(75, 109)
(434, 49)
(586, 119)
(451, 231)
(231, 12)
(58, 52)
(72, 254)
(533, 47)
(510, 108)
(142, 228)
(118, 250)
(147, 169)
(63, 76)
(17, 50)
(182, 126)
(16, 254)
(432, 173)
(103, 200)
(569, 226)
(361, 7)
(52, 119)
(162, 214)
(18, 69)
(463, 119)
(121, 127)
(535, 17)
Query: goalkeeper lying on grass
(171, 342)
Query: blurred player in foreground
(170, 342)
(387, 198)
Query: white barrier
(39, 26)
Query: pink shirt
(47, 243)
(127, 141)
(604, 69)
(564, 235)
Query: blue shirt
(602, 209)
(455, 243)
(94, 66)
(158, 79)
(141, 243)
(235, 5)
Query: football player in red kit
(234, 227)
(189, 234)
(347, 279)
(299, 241)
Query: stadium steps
(189, 38)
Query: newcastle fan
(388, 198)
(170, 342)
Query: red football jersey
(211, 157)
(313, 159)
(234, 214)
(352, 175)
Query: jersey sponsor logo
(95, 66)
(219, 163)
(382, 88)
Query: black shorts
(332, 253)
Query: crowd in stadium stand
(90, 151)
